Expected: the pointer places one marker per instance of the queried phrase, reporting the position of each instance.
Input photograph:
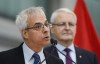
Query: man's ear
(25, 34)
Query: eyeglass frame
(38, 28)
(63, 24)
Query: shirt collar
(28, 53)
(72, 47)
(41, 54)
(61, 47)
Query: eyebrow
(46, 21)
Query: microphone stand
(65, 56)
(54, 43)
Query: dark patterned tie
(68, 58)
(36, 58)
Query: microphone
(54, 43)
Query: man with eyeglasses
(35, 31)
(63, 30)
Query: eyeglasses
(64, 24)
(39, 26)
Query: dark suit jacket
(86, 57)
(15, 56)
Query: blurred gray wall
(9, 34)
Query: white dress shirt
(28, 55)
(72, 52)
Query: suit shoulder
(8, 51)
(12, 56)
(52, 59)
(85, 51)
(57, 60)
(49, 48)
(87, 54)
(11, 52)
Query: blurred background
(9, 34)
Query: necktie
(36, 58)
(68, 58)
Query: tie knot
(67, 50)
(36, 56)
(36, 59)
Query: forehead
(65, 17)
(38, 18)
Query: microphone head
(53, 42)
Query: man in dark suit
(35, 31)
(63, 30)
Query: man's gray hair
(22, 18)
(54, 14)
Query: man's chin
(46, 44)
(67, 39)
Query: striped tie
(68, 58)
(36, 58)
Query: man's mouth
(47, 37)
(69, 33)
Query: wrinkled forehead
(62, 13)
(37, 17)
(65, 16)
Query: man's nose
(67, 26)
(46, 29)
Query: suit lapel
(50, 59)
(79, 56)
(54, 52)
(19, 55)
(46, 57)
